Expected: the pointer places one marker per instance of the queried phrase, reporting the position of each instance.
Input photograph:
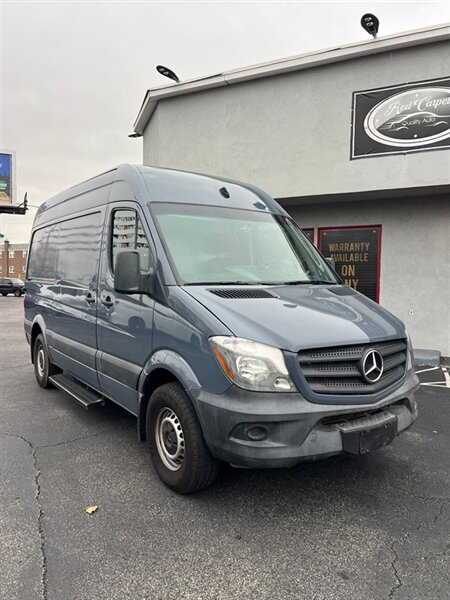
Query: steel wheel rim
(169, 438)
(40, 359)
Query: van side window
(42, 262)
(128, 234)
(79, 242)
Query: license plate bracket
(367, 440)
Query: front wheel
(17, 293)
(177, 447)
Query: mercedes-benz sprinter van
(197, 304)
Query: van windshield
(215, 245)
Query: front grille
(338, 370)
(349, 417)
(345, 418)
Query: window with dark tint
(79, 249)
(42, 261)
(128, 234)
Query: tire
(43, 368)
(4, 294)
(17, 293)
(177, 447)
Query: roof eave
(152, 96)
(296, 63)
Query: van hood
(299, 317)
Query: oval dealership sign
(411, 118)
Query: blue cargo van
(198, 305)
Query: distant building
(13, 260)
(353, 141)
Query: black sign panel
(412, 117)
(356, 252)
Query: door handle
(90, 298)
(107, 301)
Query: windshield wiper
(224, 283)
(274, 283)
(309, 281)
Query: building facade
(13, 260)
(354, 142)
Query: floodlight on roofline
(162, 70)
(370, 23)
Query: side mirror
(331, 262)
(127, 274)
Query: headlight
(251, 365)
(409, 364)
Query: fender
(38, 320)
(173, 362)
(170, 362)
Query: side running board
(79, 392)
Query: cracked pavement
(371, 528)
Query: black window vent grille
(338, 370)
(233, 293)
(343, 291)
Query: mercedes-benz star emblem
(372, 366)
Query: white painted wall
(290, 134)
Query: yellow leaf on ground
(91, 509)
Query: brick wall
(13, 260)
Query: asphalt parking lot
(370, 527)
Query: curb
(424, 358)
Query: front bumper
(296, 429)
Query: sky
(74, 74)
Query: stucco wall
(290, 134)
(415, 258)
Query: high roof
(286, 65)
